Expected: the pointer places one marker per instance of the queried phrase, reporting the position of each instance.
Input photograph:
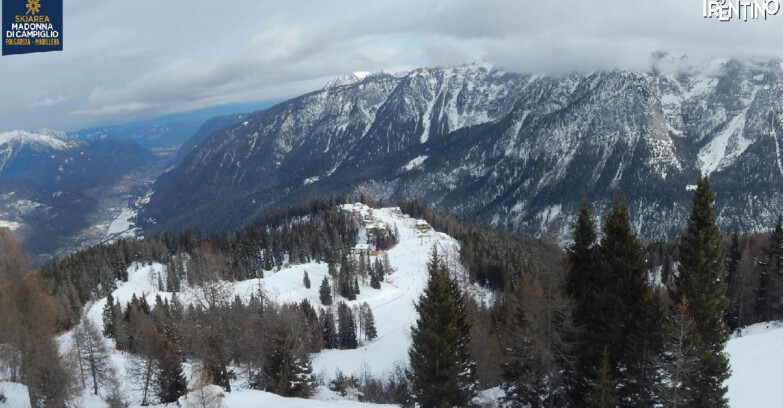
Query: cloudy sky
(127, 60)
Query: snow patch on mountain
(48, 138)
(415, 163)
(719, 152)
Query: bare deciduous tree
(93, 356)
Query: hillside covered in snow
(755, 354)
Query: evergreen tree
(732, 282)
(604, 391)
(345, 284)
(629, 313)
(109, 318)
(306, 280)
(585, 289)
(325, 292)
(347, 327)
(329, 329)
(370, 332)
(356, 287)
(301, 383)
(442, 371)
(379, 270)
(374, 282)
(701, 279)
(172, 383)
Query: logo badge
(32, 26)
(33, 6)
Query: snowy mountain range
(517, 151)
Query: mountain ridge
(516, 151)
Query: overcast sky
(127, 60)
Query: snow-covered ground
(15, 394)
(757, 367)
(122, 225)
(756, 356)
(392, 305)
(12, 225)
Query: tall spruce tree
(631, 314)
(328, 329)
(347, 327)
(325, 292)
(109, 318)
(442, 371)
(171, 381)
(370, 332)
(701, 279)
(585, 289)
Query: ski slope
(757, 367)
(392, 305)
(756, 356)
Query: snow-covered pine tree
(301, 383)
(701, 279)
(442, 371)
(306, 280)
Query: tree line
(594, 333)
(588, 327)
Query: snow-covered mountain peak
(47, 138)
(347, 79)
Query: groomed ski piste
(756, 356)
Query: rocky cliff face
(513, 150)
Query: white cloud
(48, 101)
(133, 59)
